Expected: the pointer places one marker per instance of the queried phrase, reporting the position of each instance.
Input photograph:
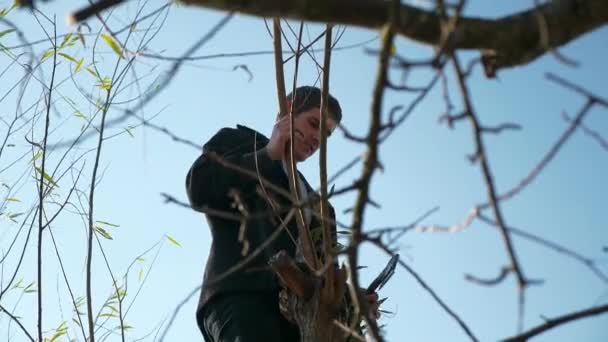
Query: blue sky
(425, 167)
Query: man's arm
(208, 182)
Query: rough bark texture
(302, 301)
(504, 42)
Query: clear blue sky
(425, 166)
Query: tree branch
(552, 323)
(512, 40)
(505, 42)
(2, 309)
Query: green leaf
(80, 115)
(81, 38)
(29, 288)
(62, 326)
(108, 314)
(65, 40)
(173, 241)
(47, 54)
(103, 233)
(94, 73)
(113, 44)
(140, 259)
(14, 216)
(12, 199)
(36, 156)
(68, 57)
(128, 130)
(5, 32)
(78, 65)
(5, 11)
(139, 274)
(57, 335)
(79, 301)
(111, 307)
(108, 224)
(46, 176)
(105, 83)
(17, 284)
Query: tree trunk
(303, 301)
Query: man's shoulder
(229, 138)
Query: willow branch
(304, 235)
(42, 180)
(2, 309)
(325, 227)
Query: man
(242, 305)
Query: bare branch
(576, 88)
(595, 135)
(305, 240)
(431, 292)
(547, 158)
(504, 272)
(2, 309)
(552, 323)
(176, 311)
(591, 264)
(500, 128)
(292, 276)
(453, 228)
(42, 180)
(487, 175)
(328, 249)
(369, 166)
(505, 42)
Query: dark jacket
(208, 185)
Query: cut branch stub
(292, 277)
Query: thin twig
(547, 158)
(42, 180)
(552, 323)
(430, 291)
(487, 175)
(176, 311)
(576, 88)
(504, 272)
(304, 235)
(593, 134)
(588, 262)
(18, 323)
(328, 242)
(369, 166)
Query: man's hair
(307, 97)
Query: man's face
(306, 132)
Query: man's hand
(279, 138)
(372, 303)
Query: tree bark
(505, 42)
(303, 302)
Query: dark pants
(246, 317)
